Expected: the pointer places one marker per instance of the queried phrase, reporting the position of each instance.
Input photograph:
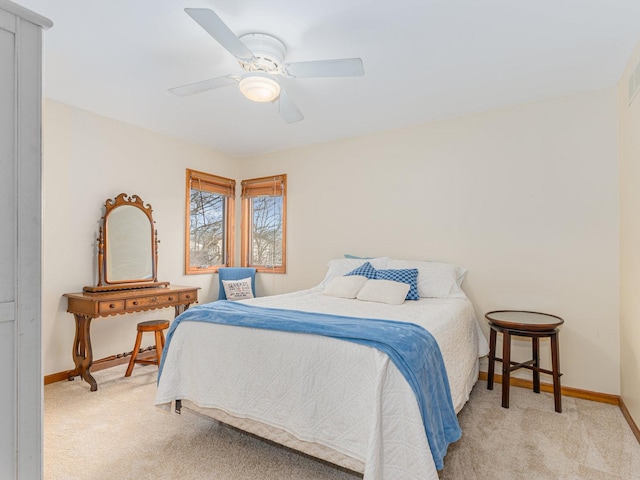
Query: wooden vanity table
(127, 278)
(85, 306)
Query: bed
(340, 401)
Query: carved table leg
(75, 353)
(82, 351)
(180, 309)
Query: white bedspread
(346, 396)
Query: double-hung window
(210, 222)
(264, 220)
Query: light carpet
(117, 432)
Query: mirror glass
(128, 245)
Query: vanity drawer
(189, 296)
(111, 306)
(154, 301)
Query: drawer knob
(171, 299)
(112, 305)
(135, 302)
(187, 296)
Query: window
(209, 222)
(264, 220)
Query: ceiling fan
(261, 56)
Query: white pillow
(340, 266)
(238, 289)
(384, 291)
(435, 279)
(345, 287)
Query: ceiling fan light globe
(259, 87)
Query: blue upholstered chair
(235, 273)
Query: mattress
(339, 401)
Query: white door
(20, 243)
(7, 249)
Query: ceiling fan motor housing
(269, 53)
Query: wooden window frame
(214, 184)
(253, 188)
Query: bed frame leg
(178, 406)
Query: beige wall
(629, 116)
(88, 159)
(525, 197)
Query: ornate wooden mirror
(127, 246)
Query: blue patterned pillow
(365, 270)
(407, 275)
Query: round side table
(534, 325)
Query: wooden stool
(156, 326)
(534, 325)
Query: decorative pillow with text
(238, 289)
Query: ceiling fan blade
(215, 27)
(288, 109)
(344, 67)
(204, 85)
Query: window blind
(212, 183)
(264, 187)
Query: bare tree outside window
(264, 224)
(210, 222)
(207, 233)
(266, 232)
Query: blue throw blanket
(412, 349)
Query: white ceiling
(423, 60)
